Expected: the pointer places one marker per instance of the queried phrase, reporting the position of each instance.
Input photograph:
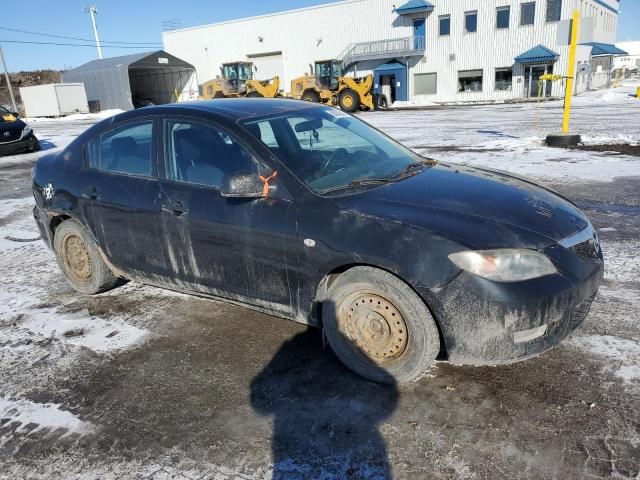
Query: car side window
(202, 154)
(125, 150)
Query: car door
(120, 197)
(234, 247)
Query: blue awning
(536, 55)
(604, 49)
(414, 6)
(389, 66)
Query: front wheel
(379, 327)
(254, 94)
(349, 100)
(310, 96)
(80, 260)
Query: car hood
(476, 204)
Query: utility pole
(6, 76)
(93, 11)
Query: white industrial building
(419, 51)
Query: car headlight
(26, 131)
(504, 265)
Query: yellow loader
(327, 85)
(237, 81)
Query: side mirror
(242, 185)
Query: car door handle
(174, 206)
(91, 193)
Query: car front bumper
(28, 144)
(489, 323)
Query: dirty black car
(308, 213)
(15, 135)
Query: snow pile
(81, 329)
(77, 116)
(42, 415)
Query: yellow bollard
(572, 71)
(638, 93)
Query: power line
(92, 45)
(75, 38)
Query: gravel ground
(144, 383)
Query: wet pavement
(216, 391)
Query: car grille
(13, 135)
(581, 310)
(586, 249)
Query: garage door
(268, 66)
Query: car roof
(232, 108)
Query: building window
(554, 10)
(445, 24)
(527, 13)
(470, 81)
(502, 17)
(425, 83)
(504, 79)
(471, 21)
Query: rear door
(120, 196)
(239, 248)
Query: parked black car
(15, 135)
(310, 214)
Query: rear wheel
(254, 94)
(80, 260)
(311, 96)
(349, 100)
(218, 94)
(379, 327)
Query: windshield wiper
(358, 182)
(409, 168)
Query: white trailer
(54, 99)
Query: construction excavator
(237, 81)
(326, 84)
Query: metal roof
(126, 60)
(598, 49)
(104, 63)
(389, 66)
(536, 54)
(414, 6)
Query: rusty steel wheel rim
(375, 326)
(76, 257)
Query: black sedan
(15, 135)
(308, 213)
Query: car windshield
(331, 151)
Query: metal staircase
(382, 49)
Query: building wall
(325, 31)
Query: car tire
(80, 260)
(254, 94)
(310, 96)
(349, 100)
(379, 327)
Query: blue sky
(141, 21)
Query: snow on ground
(510, 136)
(45, 328)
